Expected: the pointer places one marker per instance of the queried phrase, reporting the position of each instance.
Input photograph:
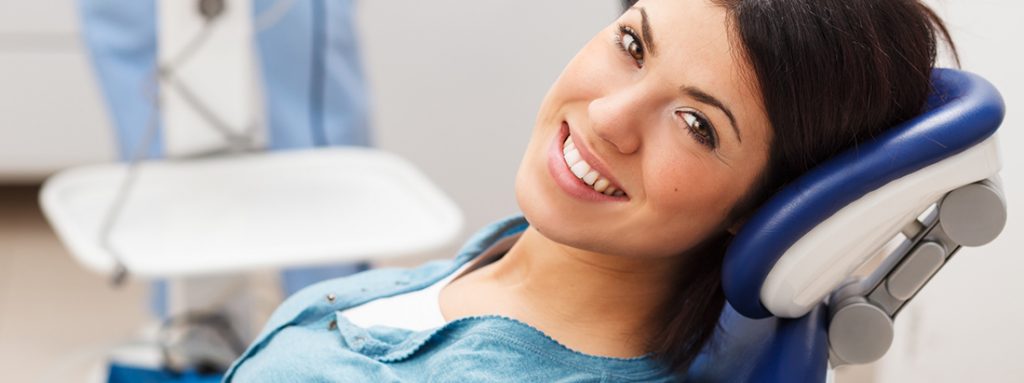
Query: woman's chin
(549, 217)
(538, 204)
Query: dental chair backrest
(906, 201)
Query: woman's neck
(596, 303)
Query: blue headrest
(962, 111)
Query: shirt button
(333, 325)
(357, 343)
(331, 297)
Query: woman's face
(661, 106)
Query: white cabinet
(51, 112)
(38, 16)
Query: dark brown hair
(831, 73)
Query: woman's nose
(617, 119)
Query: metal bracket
(862, 311)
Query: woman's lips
(566, 180)
(592, 160)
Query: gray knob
(974, 214)
(859, 332)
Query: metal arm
(862, 311)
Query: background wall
(457, 85)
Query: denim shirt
(308, 339)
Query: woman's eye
(699, 128)
(629, 43)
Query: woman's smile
(636, 151)
(579, 173)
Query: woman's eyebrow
(694, 92)
(645, 30)
(705, 98)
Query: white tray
(238, 213)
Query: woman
(660, 136)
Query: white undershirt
(417, 310)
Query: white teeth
(573, 158)
(584, 172)
(580, 169)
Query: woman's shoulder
(320, 301)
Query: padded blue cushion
(963, 110)
(770, 350)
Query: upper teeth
(585, 172)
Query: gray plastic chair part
(915, 270)
(863, 286)
(974, 214)
(859, 332)
(861, 326)
(916, 275)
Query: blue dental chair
(802, 295)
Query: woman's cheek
(692, 189)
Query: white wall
(456, 85)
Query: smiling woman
(658, 139)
